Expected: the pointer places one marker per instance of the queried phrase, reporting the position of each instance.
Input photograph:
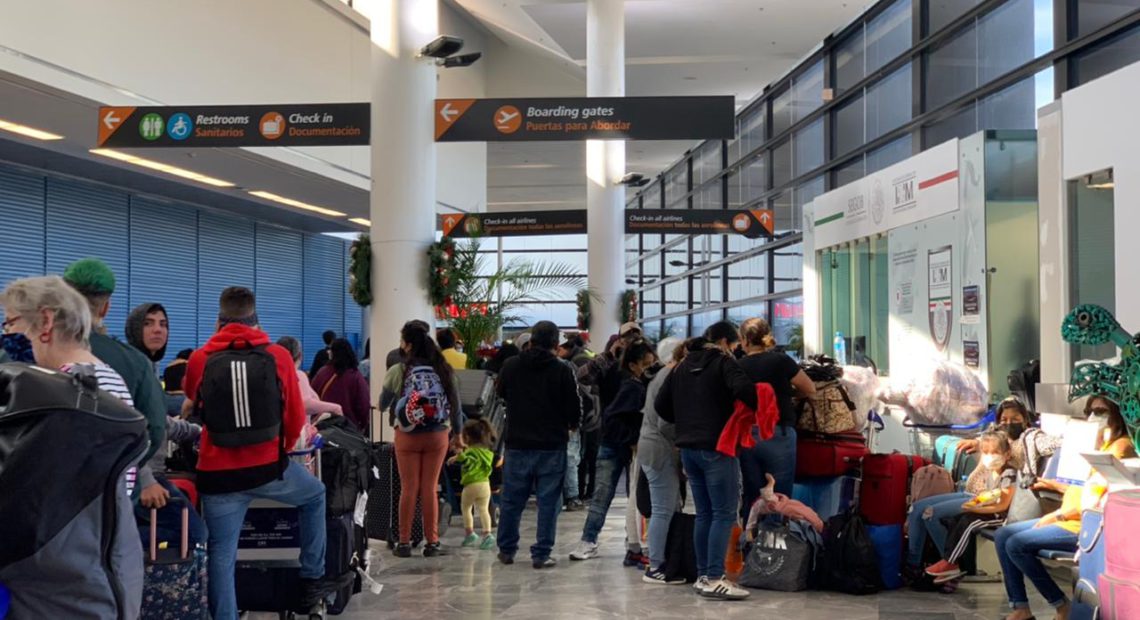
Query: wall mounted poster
(940, 296)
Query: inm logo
(904, 191)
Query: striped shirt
(112, 383)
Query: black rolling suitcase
(382, 517)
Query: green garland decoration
(627, 311)
(584, 309)
(360, 270)
(441, 284)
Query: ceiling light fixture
(28, 132)
(295, 203)
(161, 167)
(361, 221)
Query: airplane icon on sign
(506, 116)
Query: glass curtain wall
(907, 75)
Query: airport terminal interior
(569, 309)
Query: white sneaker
(701, 584)
(584, 551)
(725, 590)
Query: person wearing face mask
(1017, 544)
(621, 426)
(994, 482)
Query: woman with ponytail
(421, 444)
(776, 456)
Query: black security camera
(463, 60)
(442, 47)
(634, 179)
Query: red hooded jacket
(738, 431)
(228, 470)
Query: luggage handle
(185, 549)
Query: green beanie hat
(90, 276)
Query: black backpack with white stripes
(240, 397)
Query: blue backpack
(424, 404)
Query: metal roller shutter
(88, 220)
(225, 258)
(324, 293)
(279, 282)
(164, 267)
(22, 212)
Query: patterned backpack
(424, 404)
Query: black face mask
(18, 347)
(1014, 430)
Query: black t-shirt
(776, 369)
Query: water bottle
(840, 349)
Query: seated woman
(1017, 544)
(996, 474)
(927, 514)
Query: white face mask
(991, 461)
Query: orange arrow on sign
(767, 219)
(447, 111)
(449, 222)
(110, 119)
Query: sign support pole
(403, 176)
(605, 166)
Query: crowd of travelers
(579, 424)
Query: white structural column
(403, 171)
(605, 165)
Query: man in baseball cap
(629, 330)
(96, 282)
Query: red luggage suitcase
(828, 455)
(885, 493)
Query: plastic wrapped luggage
(936, 391)
(827, 496)
(888, 542)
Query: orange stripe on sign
(942, 178)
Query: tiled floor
(472, 584)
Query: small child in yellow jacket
(477, 460)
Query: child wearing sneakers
(477, 461)
(993, 481)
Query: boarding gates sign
(585, 118)
(917, 189)
(318, 124)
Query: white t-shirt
(112, 383)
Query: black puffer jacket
(700, 394)
(542, 401)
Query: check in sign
(318, 124)
(585, 118)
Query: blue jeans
(523, 470)
(1017, 546)
(611, 461)
(225, 514)
(573, 458)
(919, 526)
(715, 480)
(664, 493)
(776, 456)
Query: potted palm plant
(478, 301)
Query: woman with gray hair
(313, 403)
(57, 321)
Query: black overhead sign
(318, 124)
(751, 224)
(594, 118)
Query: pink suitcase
(1121, 544)
(1119, 599)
